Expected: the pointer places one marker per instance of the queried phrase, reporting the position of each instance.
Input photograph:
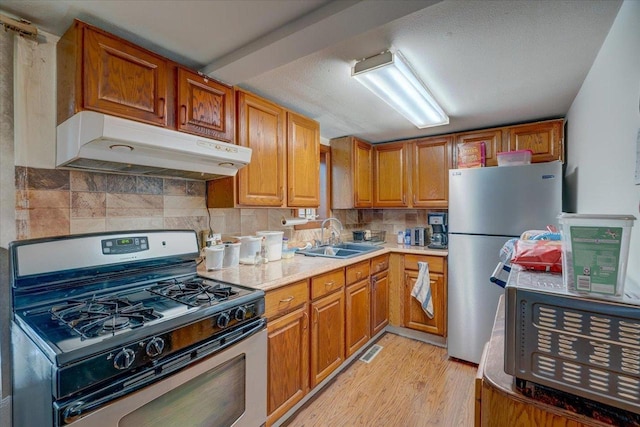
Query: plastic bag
(540, 255)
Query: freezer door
(472, 298)
(505, 201)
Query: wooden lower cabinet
(327, 335)
(414, 316)
(379, 301)
(357, 325)
(288, 362)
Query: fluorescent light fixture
(391, 78)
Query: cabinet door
(205, 106)
(379, 302)
(492, 140)
(362, 175)
(261, 128)
(431, 164)
(303, 161)
(124, 80)
(544, 139)
(414, 316)
(390, 184)
(357, 325)
(327, 336)
(288, 362)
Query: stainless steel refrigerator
(487, 207)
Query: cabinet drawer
(379, 263)
(327, 283)
(357, 272)
(436, 263)
(285, 299)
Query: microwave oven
(581, 345)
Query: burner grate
(100, 316)
(194, 291)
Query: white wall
(602, 128)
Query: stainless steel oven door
(227, 389)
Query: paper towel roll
(290, 222)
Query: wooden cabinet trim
(327, 336)
(356, 272)
(213, 119)
(436, 263)
(287, 362)
(327, 283)
(379, 263)
(358, 312)
(284, 299)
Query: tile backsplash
(54, 202)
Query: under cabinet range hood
(101, 143)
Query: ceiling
(489, 63)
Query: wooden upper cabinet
(101, 72)
(303, 161)
(261, 127)
(544, 139)
(390, 183)
(204, 106)
(430, 172)
(492, 139)
(351, 173)
(362, 179)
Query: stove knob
(155, 347)
(124, 359)
(241, 313)
(223, 320)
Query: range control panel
(125, 245)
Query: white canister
(231, 255)
(213, 257)
(273, 244)
(249, 247)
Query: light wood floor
(408, 384)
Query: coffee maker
(438, 223)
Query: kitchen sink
(341, 250)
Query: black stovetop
(83, 326)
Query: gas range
(110, 313)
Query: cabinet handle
(306, 320)
(183, 114)
(358, 274)
(317, 313)
(162, 107)
(404, 199)
(329, 284)
(381, 265)
(373, 282)
(291, 298)
(414, 199)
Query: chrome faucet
(330, 241)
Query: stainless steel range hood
(101, 143)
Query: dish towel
(422, 289)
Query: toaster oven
(585, 347)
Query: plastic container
(213, 257)
(273, 243)
(514, 158)
(231, 255)
(595, 251)
(288, 253)
(249, 247)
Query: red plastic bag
(540, 255)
